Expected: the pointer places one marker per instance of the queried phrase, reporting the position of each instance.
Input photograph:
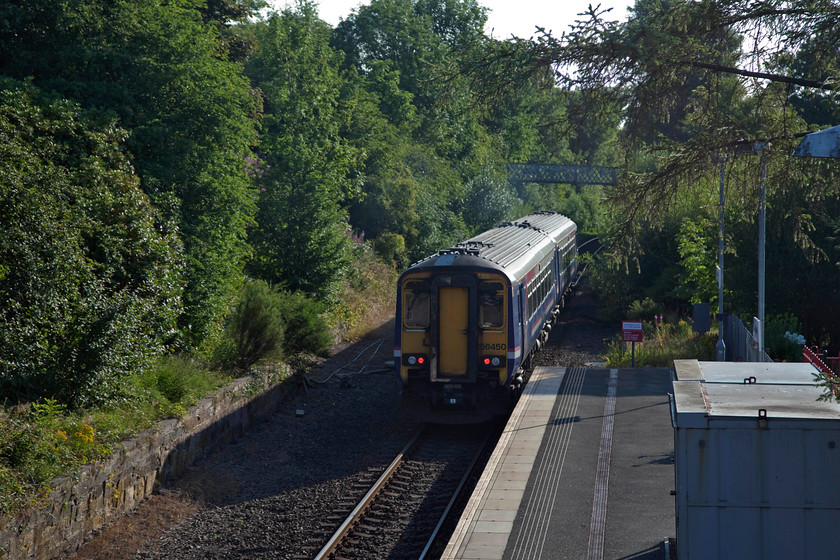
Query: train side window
(491, 312)
(417, 304)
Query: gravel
(261, 496)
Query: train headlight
(414, 360)
(493, 361)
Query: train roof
(513, 248)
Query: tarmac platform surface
(583, 470)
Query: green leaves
(299, 237)
(92, 278)
(697, 249)
(270, 324)
(160, 71)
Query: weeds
(663, 343)
(367, 297)
(39, 442)
(44, 440)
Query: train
(470, 318)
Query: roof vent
(477, 244)
(459, 250)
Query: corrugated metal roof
(513, 241)
(513, 247)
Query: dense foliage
(157, 157)
(307, 167)
(157, 69)
(706, 84)
(90, 274)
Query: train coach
(469, 318)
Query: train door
(454, 330)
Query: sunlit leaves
(92, 275)
(300, 236)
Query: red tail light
(493, 361)
(414, 360)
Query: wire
(330, 376)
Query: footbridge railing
(570, 174)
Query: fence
(740, 344)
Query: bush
(645, 309)
(182, 380)
(273, 324)
(256, 327)
(90, 276)
(304, 323)
(781, 338)
(391, 248)
(663, 343)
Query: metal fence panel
(740, 344)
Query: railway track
(404, 511)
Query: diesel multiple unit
(469, 318)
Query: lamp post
(720, 349)
(760, 148)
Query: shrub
(663, 343)
(778, 342)
(305, 327)
(391, 248)
(273, 324)
(256, 325)
(644, 309)
(91, 275)
(182, 381)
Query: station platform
(583, 470)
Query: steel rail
(357, 512)
(454, 497)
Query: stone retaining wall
(105, 490)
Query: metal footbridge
(568, 174)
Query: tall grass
(368, 295)
(662, 344)
(43, 440)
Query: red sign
(631, 331)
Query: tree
(489, 201)
(697, 247)
(674, 67)
(420, 38)
(90, 273)
(300, 238)
(191, 114)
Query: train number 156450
(492, 346)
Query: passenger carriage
(469, 318)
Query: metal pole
(762, 220)
(720, 349)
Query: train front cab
(453, 333)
